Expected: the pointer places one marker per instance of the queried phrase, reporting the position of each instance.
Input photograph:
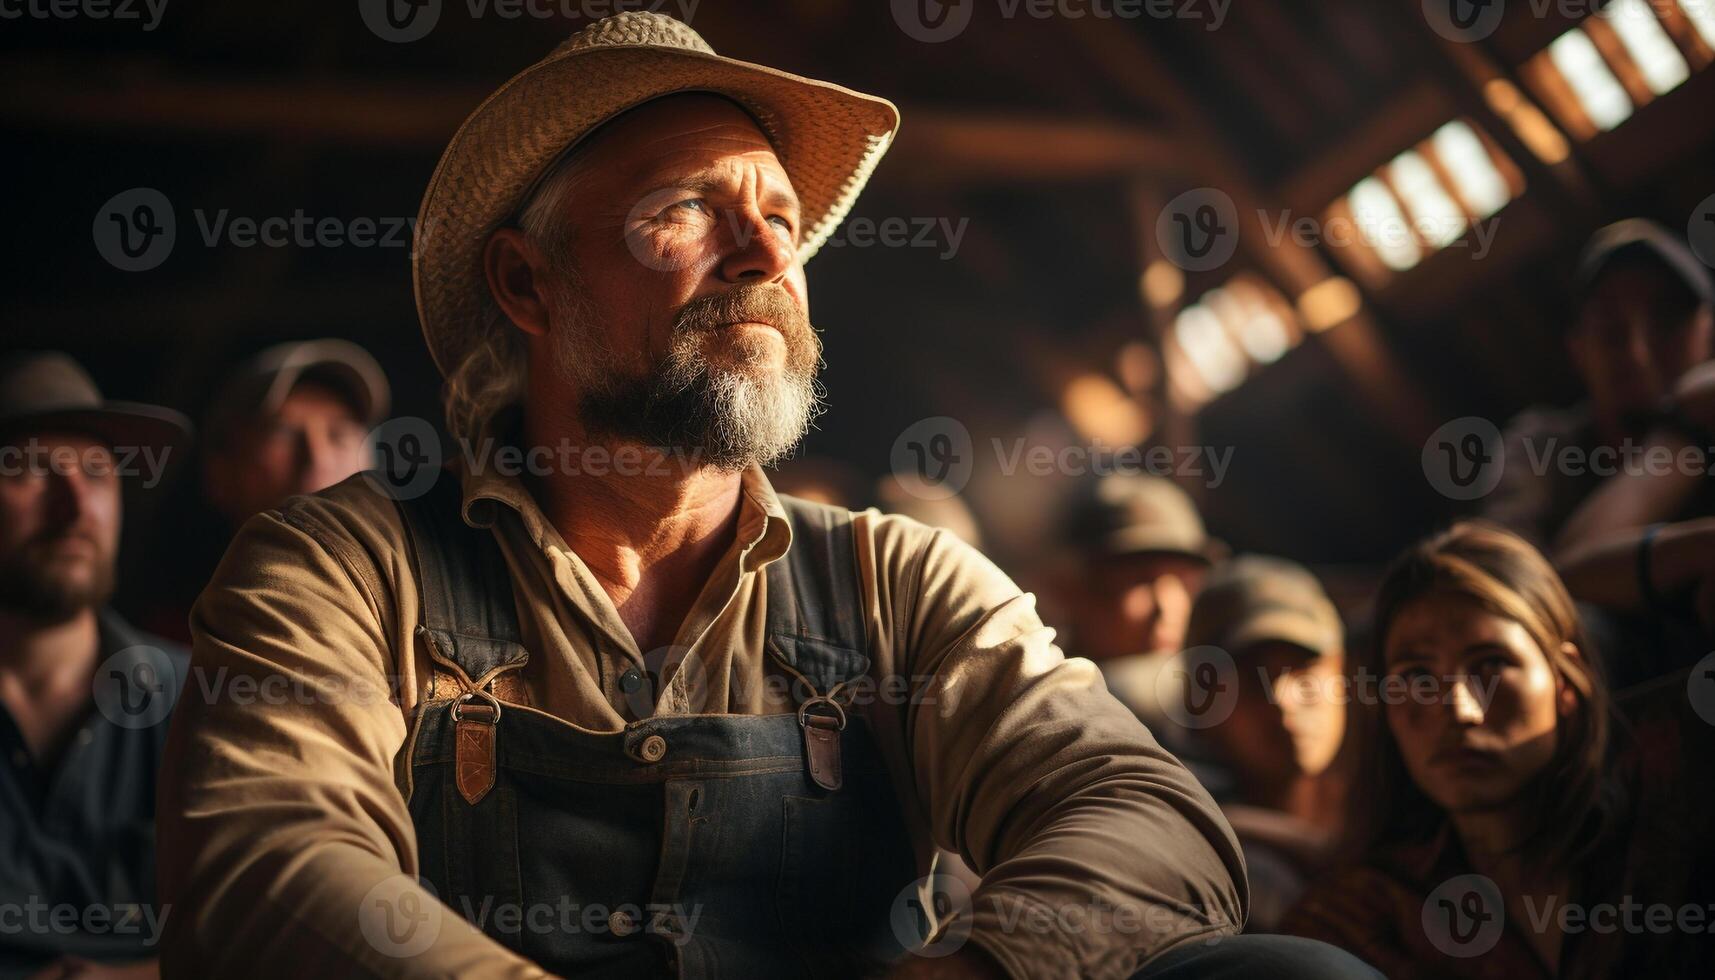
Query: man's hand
(969, 963)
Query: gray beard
(727, 417)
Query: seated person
(1509, 826)
(1269, 625)
(1643, 319)
(294, 418)
(592, 808)
(84, 697)
(1141, 554)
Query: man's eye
(688, 204)
(784, 223)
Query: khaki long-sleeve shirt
(282, 807)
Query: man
(83, 696)
(1141, 553)
(1270, 631)
(293, 419)
(639, 728)
(1645, 318)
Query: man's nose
(68, 494)
(757, 251)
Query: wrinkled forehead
(686, 131)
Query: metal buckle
(839, 712)
(458, 705)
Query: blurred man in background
(1266, 626)
(1643, 322)
(1142, 553)
(84, 697)
(292, 419)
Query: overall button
(652, 749)
(622, 923)
(631, 681)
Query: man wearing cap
(652, 718)
(1644, 321)
(292, 419)
(83, 696)
(1139, 556)
(1270, 649)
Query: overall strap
(468, 622)
(815, 599)
(467, 614)
(816, 626)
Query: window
(1230, 332)
(1422, 201)
(1597, 74)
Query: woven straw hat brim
(829, 139)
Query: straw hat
(828, 138)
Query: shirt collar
(764, 533)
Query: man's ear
(517, 278)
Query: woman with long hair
(1506, 822)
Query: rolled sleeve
(279, 818)
(1097, 848)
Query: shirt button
(621, 923)
(630, 681)
(85, 736)
(652, 749)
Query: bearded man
(651, 718)
(84, 697)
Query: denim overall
(691, 845)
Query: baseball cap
(259, 386)
(1129, 514)
(1254, 599)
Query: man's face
(314, 441)
(1290, 715)
(59, 525)
(1133, 604)
(679, 314)
(1633, 340)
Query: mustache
(755, 302)
(55, 536)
